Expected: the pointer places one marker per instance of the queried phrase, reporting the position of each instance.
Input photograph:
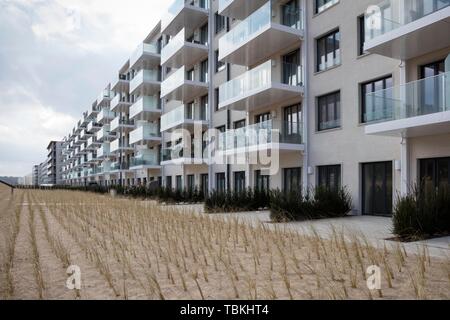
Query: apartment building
(54, 163)
(277, 94)
(35, 175)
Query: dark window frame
(336, 95)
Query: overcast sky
(55, 58)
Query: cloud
(56, 56)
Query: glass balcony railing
(145, 104)
(176, 7)
(104, 150)
(418, 98)
(259, 78)
(175, 44)
(180, 115)
(142, 49)
(393, 14)
(144, 76)
(118, 122)
(261, 134)
(257, 21)
(145, 132)
(116, 166)
(175, 80)
(147, 160)
(177, 152)
(117, 145)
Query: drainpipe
(211, 91)
(305, 104)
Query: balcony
(119, 166)
(122, 84)
(78, 141)
(239, 9)
(92, 143)
(262, 87)
(415, 109)
(85, 134)
(146, 56)
(120, 103)
(145, 133)
(408, 28)
(118, 146)
(104, 98)
(184, 14)
(247, 43)
(183, 116)
(146, 108)
(105, 134)
(105, 116)
(148, 160)
(146, 82)
(94, 126)
(179, 87)
(177, 156)
(282, 136)
(122, 124)
(180, 52)
(104, 151)
(92, 157)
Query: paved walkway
(376, 229)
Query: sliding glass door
(377, 188)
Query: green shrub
(317, 203)
(232, 201)
(423, 213)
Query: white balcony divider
(413, 99)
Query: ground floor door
(377, 188)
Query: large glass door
(431, 93)
(377, 188)
(435, 173)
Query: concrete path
(376, 229)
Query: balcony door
(291, 68)
(292, 125)
(431, 99)
(421, 8)
(291, 14)
(377, 188)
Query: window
(329, 111)
(179, 183)
(204, 107)
(191, 182)
(220, 22)
(292, 125)
(190, 74)
(190, 111)
(239, 181)
(328, 51)
(264, 117)
(219, 64)
(322, 5)
(361, 34)
(370, 110)
(292, 179)
(435, 173)
(216, 99)
(430, 91)
(204, 71)
(330, 176)
(262, 182)
(220, 182)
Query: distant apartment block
(345, 93)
